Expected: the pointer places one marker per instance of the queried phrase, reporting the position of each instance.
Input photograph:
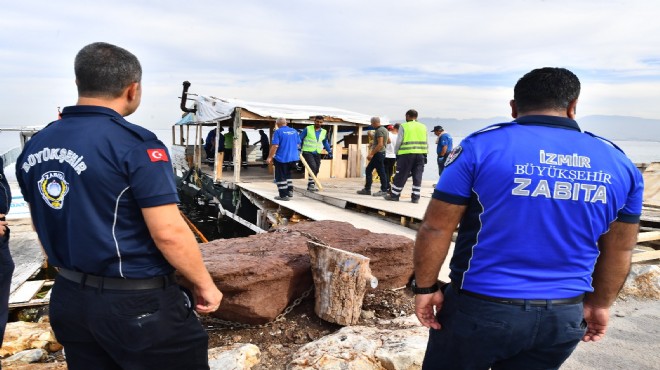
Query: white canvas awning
(218, 109)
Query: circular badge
(453, 155)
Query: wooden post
(340, 280)
(309, 171)
(336, 160)
(219, 159)
(359, 152)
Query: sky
(452, 59)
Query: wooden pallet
(26, 294)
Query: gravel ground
(632, 340)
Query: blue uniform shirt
(287, 141)
(539, 194)
(87, 178)
(445, 139)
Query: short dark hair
(105, 70)
(411, 113)
(546, 88)
(319, 117)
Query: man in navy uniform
(444, 145)
(6, 262)
(284, 154)
(548, 219)
(104, 204)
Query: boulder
(365, 348)
(390, 256)
(262, 274)
(21, 336)
(642, 282)
(239, 356)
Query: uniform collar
(550, 121)
(89, 109)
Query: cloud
(446, 58)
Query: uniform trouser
(6, 271)
(105, 329)
(244, 155)
(264, 152)
(389, 168)
(405, 164)
(376, 163)
(283, 177)
(229, 156)
(441, 164)
(314, 162)
(478, 334)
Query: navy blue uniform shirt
(539, 194)
(5, 195)
(87, 178)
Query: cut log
(340, 279)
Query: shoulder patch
(157, 155)
(453, 155)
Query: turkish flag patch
(157, 155)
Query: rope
(194, 229)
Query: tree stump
(340, 279)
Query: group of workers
(539, 258)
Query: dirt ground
(632, 340)
(279, 341)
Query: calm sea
(637, 151)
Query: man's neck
(114, 104)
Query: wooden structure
(340, 279)
(208, 111)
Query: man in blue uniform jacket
(6, 262)
(548, 219)
(104, 204)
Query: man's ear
(514, 109)
(571, 110)
(132, 91)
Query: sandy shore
(632, 340)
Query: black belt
(101, 282)
(523, 302)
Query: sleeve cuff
(450, 198)
(627, 218)
(158, 200)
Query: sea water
(637, 151)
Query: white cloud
(454, 59)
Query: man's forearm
(613, 263)
(431, 249)
(273, 150)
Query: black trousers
(105, 329)
(389, 168)
(314, 162)
(405, 164)
(441, 164)
(244, 155)
(376, 163)
(6, 271)
(283, 177)
(229, 156)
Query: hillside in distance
(610, 127)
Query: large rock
(239, 356)
(642, 282)
(20, 336)
(390, 256)
(365, 348)
(262, 274)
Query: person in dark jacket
(6, 262)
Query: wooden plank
(645, 256)
(648, 236)
(26, 291)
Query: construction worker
(314, 139)
(229, 148)
(411, 148)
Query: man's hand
(369, 157)
(424, 308)
(269, 160)
(207, 299)
(3, 225)
(597, 319)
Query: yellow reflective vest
(414, 138)
(311, 144)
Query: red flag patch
(157, 155)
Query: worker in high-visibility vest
(229, 148)
(411, 148)
(314, 139)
